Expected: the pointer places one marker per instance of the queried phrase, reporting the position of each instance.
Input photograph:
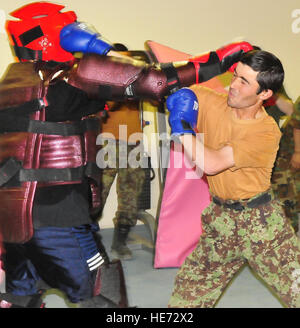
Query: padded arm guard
(218, 62)
(113, 78)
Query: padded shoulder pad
(20, 83)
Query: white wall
(193, 27)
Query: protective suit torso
(47, 151)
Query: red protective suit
(35, 153)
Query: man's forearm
(210, 161)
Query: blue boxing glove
(79, 37)
(183, 108)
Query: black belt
(9, 123)
(13, 170)
(241, 205)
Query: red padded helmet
(35, 35)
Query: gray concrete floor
(151, 288)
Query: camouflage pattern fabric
(128, 187)
(296, 115)
(286, 180)
(261, 237)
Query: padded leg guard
(110, 283)
(98, 301)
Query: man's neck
(249, 113)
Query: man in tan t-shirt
(236, 149)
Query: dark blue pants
(65, 258)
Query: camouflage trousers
(128, 187)
(261, 237)
(286, 186)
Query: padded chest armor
(35, 152)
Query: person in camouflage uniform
(261, 236)
(129, 185)
(129, 179)
(123, 122)
(295, 160)
(286, 177)
(244, 223)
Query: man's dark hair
(270, 70)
